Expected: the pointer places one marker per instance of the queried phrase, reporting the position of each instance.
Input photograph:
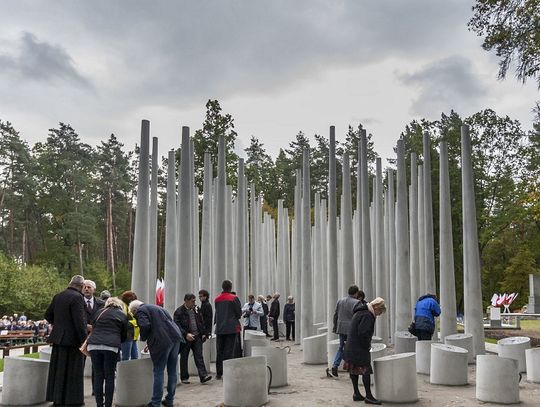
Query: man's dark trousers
(196, 346)
(275, 328)
(225, 346)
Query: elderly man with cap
(65, 385)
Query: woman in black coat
(356, 355)
(109, 330)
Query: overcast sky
(277, 67)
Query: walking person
(274, 315)
(252, 312)
(288, 317)
(163, 338)
(66, 314)
(207, 313)
(357, 357)
(228, 312)
(426, 309)
(109, 330)
(189, 320)
(264, 317)
(129, 346)
(342, 319)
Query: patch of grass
(531, 324)
(30, 355)
(490, 340)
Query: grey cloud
(42, 62)
(449, 83)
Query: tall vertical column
(332, 255)
(346, 226)
(219, 242)
(307, 276)
(324, 257)
(367, 269)
(206, 245)
(287, 252)
(474, 323)
(170, 238)
(391, 308)
(421, 233)
(318, 283)
(392, 244)
(429, 255)
(413, 232)
(229, 237)
(403, 281)
(381, 281)
(358, 232)
(194, 207)
(252, 240)
(240, 272)
(141, 261)
(185, 254)
(153, 236)
(446, 251)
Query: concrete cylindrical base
(213, 352)
(245, 382)
(332, 348)
(378, 350)
(376, 339)
(254, 338)
(134, 381)
(394, 382)
(25, 381)
(514, 348)
(192, 367)
(464, 341)
(497, 379)
(276, 358)
(423, 356)
(404, 342)
(88, 367)
(322, 330)
(314, 350)
(532, 360)
(45, 353)
(448, 365)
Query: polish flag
(160, 292)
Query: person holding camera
(252, 312)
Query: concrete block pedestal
(332, 348)
(448, 365)
(134, 381)
(276, 358)
(394, 382)
(245, 382)
(497, 379)
(404, 342)
(25, 381)
(532, 360)
(464, 341)
(254, 338)
(423, 356)
(314, 350)
(514, 348)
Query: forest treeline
(67, 207)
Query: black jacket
(157, 329)
(228, 312)
(91, 315)
(265, 309)
(359, 337)
(109, 328)
(66, 314)
(288, 312)
(207, 316)
(274, 309)
(181, 318)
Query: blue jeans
(339, 353)
(168, 359)
(129, 350)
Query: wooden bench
(16, 338)
(34, 347)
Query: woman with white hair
(356, 355)
(109, 330)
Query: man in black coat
(163, 338)
(274, 315)
(190, 321)
(207, 313)
(65, 384)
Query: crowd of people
(14, 322)
(107, 329)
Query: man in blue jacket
(425, 311)
(163, 339)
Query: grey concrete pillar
(252, 239)
(421, 233)
(240, 271)
(206, 237)
(332, 255)
(185, 253)
(429, 254)
(358, 232)
(403, 280)
(229, 237)
(170, 236)
(381, 278)
(392, 244)
(474, 323)
(346, 228)
(219, 222)
(153, 236)
(297, 246)
(324, 259)
(307, 272)
(319, 286)
(141, 251)
(367, 269)
(413, 233)
(446, 250)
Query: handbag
(84, 347)
(412, 328)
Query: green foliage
(510, 27)
(516, 278)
